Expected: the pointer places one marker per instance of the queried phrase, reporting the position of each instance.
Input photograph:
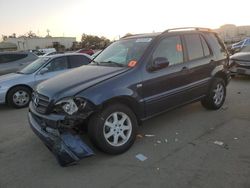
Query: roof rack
(130, 35)
(188, 28)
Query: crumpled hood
(11, 77)
(72, 82)
(241, 56)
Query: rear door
(165, 88)
(199, 63)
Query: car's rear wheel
(19, 97)
(113, 130)
(216, 96)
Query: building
(231, 33)
(6, 46)
(25, 43)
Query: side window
(194, 46)
(217, 46)
(5, 58)
(77, 61)
(206, 50)
(170, 48)
(57, 64)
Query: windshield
(120, 53)
(34, 66)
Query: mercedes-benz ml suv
(134, 79)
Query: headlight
(70, 105)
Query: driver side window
(57, 64)
(170, 48)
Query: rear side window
(206, 50)
(217, 46)
(170, 48)
(77, 61)
(5, 58)
(194, 46)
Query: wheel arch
(222, 75)
(129, 102)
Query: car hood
(79, 79)
(242, 56)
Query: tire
(20, 91)
(106, 134)
(213, 101)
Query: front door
(165, 88)
(54, 67)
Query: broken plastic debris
(158, 142)
(149, 135)
(218, 143)
(139, 136)
(235, 138)
(166, 140)
(70, 148)
(157, 168)
(141, 157)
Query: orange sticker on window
(132, 63)
(178, 47)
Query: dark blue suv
(132, 80)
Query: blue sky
(112, 18)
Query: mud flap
(69, 149)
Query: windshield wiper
(112, 63)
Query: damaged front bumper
(66, 146)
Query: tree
(31, 34)
(13, 35)
(4, 37)
(94, 42)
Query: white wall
(32, 43)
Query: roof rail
(130, 35)
(188, 28)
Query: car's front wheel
(113, 130)
(19, 97)
(216, 96)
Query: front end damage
(61, 139)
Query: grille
(41, 103)
(244, 66)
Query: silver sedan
(16, 88)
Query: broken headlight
(70, 105)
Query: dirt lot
(189, 158)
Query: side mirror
(44, 70)
(160, 63)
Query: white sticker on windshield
(144, 40)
